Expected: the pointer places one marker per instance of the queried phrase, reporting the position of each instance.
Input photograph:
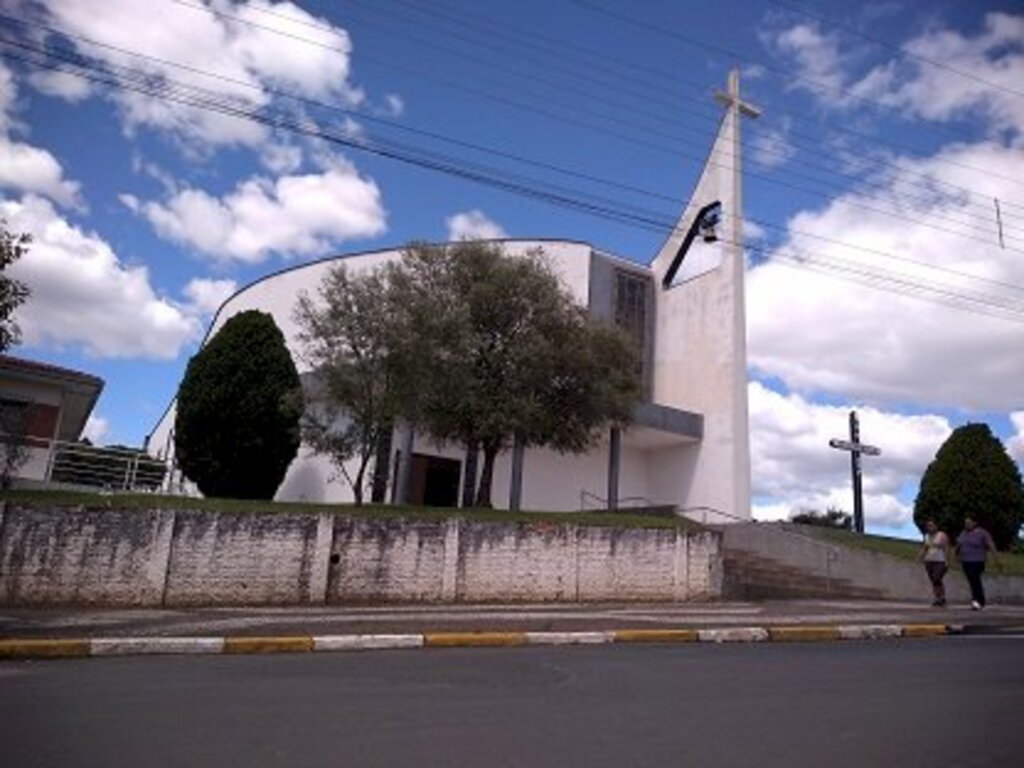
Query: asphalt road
(949, 702)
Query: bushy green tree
(12, 292)
(832, 518)
(237, 423)
(497, 350)
(972, 475)
(346, 334)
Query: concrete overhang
(79, 391)
(660, 426)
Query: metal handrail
(831, 551)
(685, 510)
(585, 494)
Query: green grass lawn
(1011, 563)
(153, 501)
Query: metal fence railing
(29, 461)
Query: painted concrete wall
(84, 557)
(247, 559)
(152, 558)
(385, 561)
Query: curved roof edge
(338, 257)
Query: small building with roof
(41, 407)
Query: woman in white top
(934, 552)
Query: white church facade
(688, 445)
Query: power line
(431, 19)
(433, 15)
(764, 177)
(162, 92)
(810, 145)
(737, 55)
(575, 121)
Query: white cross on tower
(735, 107)
(732, 96)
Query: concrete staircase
(750, 576)
(764, 561)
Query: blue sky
(876, 277)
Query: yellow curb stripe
(473, 639)
(923, 630)
(267, 644)
(800, 634)
(43, 649)
(655, 636)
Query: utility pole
(856, 449)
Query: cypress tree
(237, 423)
(972, 474)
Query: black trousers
(973, 573)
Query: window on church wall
(631, 312)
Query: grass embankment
(1009, 563)
(382, 511)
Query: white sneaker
(975, 605)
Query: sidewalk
(354, 620)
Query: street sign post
(856, 450)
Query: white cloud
(752, 231)
(1015, 445)
(473, 225)
(819, 62)
(83, 295)
(819, 333)
(64, 85)
(281, 158)
(205, 296)
(30, 169)
(293, 215)
(772, 148)
(394, 106)
(794, 468)
(131, 202)
(23, 167)
(8, 94)
(993, 63)
(244, 47)
(989, 70)
(96, 428)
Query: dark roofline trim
(20, 364)
(343, 256)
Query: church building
(688, 445)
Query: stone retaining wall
(66, 556)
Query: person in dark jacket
(972, 548)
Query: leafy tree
(346, 339)
(495, 350)
(12, 292)
(972, 474)
(237, 423)
(15, 448)
(832, 518)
